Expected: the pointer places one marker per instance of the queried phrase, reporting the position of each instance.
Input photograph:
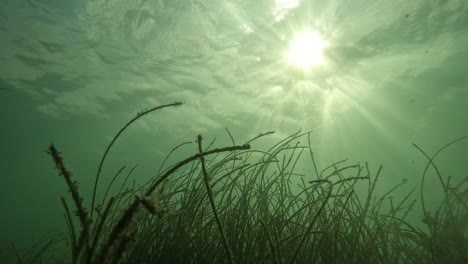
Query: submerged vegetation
(236, 204)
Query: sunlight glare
(306, 50)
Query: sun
(306, 50)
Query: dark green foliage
(240, 205)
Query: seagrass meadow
(237, 204)
(233, 131)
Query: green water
(390, 73)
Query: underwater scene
(233, 131)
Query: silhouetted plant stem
(190, 159)
(71, 230)
(213, 206)
(97, 232)
(139, 114)
(270, 242)
(296, 252)
(81, 212)
(430, 162)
